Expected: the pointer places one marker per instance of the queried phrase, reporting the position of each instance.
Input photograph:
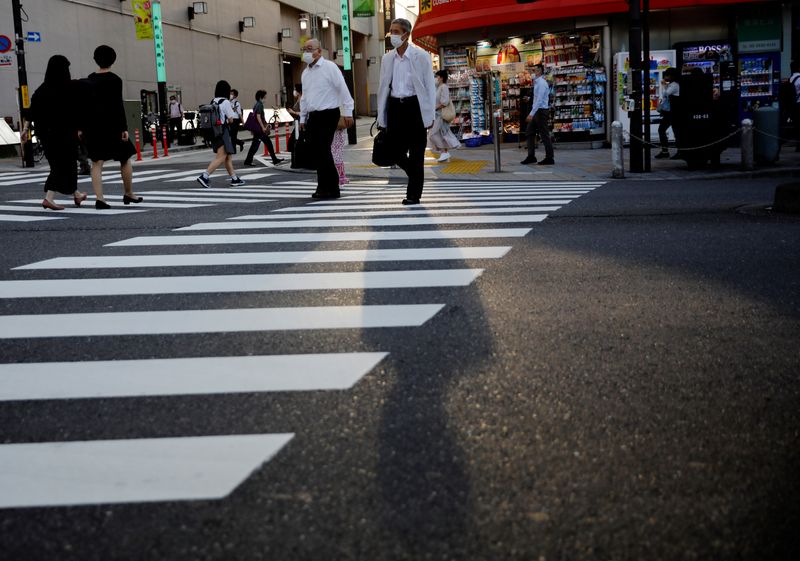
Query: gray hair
(404, 23)
(314, 43)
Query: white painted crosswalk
(446, 243)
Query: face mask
(308, 58)
(296, 93)
(396, 40)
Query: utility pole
(23, 98)
(646, 60)
(635, 41)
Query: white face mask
(296, 93)
(308, 58)
(396, 40)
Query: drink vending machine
(759, 81)
(718, 59)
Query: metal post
(635, 41)
(747, 145)
(646, 73)
(23, 97)
(617, 153)
(494, 118)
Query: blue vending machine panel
(759, 80)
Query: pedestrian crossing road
(443, 244)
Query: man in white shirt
(537, 120)
(406, 104)
(324, 92)
(175, 117)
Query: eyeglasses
(309, 49)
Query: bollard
(287, 136)
(617, 158)
(277, 139)
(164, 140)
(138, 145)
(153, 133)
(747, 145)
(266, 152)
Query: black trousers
(320, 128)
(257, 140)
(60, 153)
(175, 125)
(408, 137)
(666, 122)
(539, 124)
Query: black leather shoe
(528, 160)
(547, 162)
(251, 164)
(316, 195)
(128, 200)
(410, 201)
(101, 205)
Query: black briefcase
(186, 137)
(301, 154)
(382, 151)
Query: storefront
(582, 45)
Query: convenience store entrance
(573, 68)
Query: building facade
(199, 50)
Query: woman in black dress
(107, 135)
(58, 130)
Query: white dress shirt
(324, 88)
(225, 108)
(402, 79)
(541, 93)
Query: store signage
(364, 8)
(721, 51)
(142, 19)
(759, 30)
(158, 39)
(346, 47)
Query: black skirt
(61, 154)
(102, 148)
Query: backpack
(209, 118)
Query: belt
(404, 99)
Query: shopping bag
(448, 112)
(252, 125)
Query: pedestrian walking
(669, 87)
(324, 92)
(263, 135)
(337, 149)
(237, 122)
(107, 128)
(58, 131)
(175, 117)
(221, 143)
(794, 79)
(442, 138)
(538, 120)
(406, 104)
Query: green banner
(346, 49)
(364, 8)
(158, 39)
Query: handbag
(382, 152)
(301, 155)
(252, 125)
(448, 112)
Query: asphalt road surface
(515, 371)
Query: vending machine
(653, 85)
(759, 81)
(718, 59)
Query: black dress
(58, 131)
(106, 120)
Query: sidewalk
(572, 164)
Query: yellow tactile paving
(464, 166)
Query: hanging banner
(364, 8)
(142, 19)
(346, 48)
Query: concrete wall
(198, 53)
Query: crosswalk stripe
(225, 239)
(131, 470)
(364, 223)
(176, 198)
(215, 321)
(333, 208)
(261, 190)
(229, 192)
(466, 195)
(272, 257)
(397, 212)
(502, 191)
(197, 284)
(67, 209)
(433, 199)
(184, 376)
(19, 218)
(23, 180)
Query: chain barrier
(784, 140)
(724, 138)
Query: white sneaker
(444, 157)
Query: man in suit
(324, 92)
(406, 104)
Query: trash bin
(766, 145)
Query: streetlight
(197, 8)
(247, 21)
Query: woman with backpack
(221, 142)
(261, 132)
